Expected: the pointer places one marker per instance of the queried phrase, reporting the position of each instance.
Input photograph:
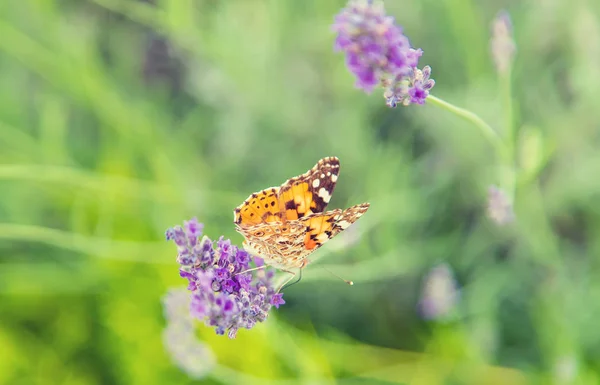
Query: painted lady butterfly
(284, 225)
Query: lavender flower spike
(221, 294)
(440, 293)
(373, 43)
(378, 53)
(499, 208)
(502, 44)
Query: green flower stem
(506, 97)
(510, 132)
(505, 148)
(486, 130)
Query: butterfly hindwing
(310, 192)
(321, 227)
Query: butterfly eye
(259, 233)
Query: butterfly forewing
(260, 207)
(310, 192)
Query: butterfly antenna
(252, 269)
(337, 276)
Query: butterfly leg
(286, 284)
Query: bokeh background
(121, 118)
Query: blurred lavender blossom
(378, 53)
(222, 294)
(499, 208)
(502, 43)
(189, 354)
(439, 293)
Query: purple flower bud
(184, 258)
(221, 274)
(230, 286)
(192, 286)
(193, 228)
(242, 258)
(249, 322)
(186, 274)
(197, 307)
(277, 300)
(204, 279)
(225, 248)
(228, 305)
(177, 235)
(244, 280)
(206, 252)
(170, 234)
(411, 89)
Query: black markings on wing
(321, 227)
(310, 192)
(260, 207)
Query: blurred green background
(121, 118)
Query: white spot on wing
(324, 194)
(316, 183)
(322, 237)
(333, 177)
(344, 224)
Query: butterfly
(283, 225)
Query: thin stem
(510, 134)
(506, 95)
(486, 130)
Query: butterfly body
(284, 225)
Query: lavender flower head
(222, 295)
(502, 44)
(378, 53)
